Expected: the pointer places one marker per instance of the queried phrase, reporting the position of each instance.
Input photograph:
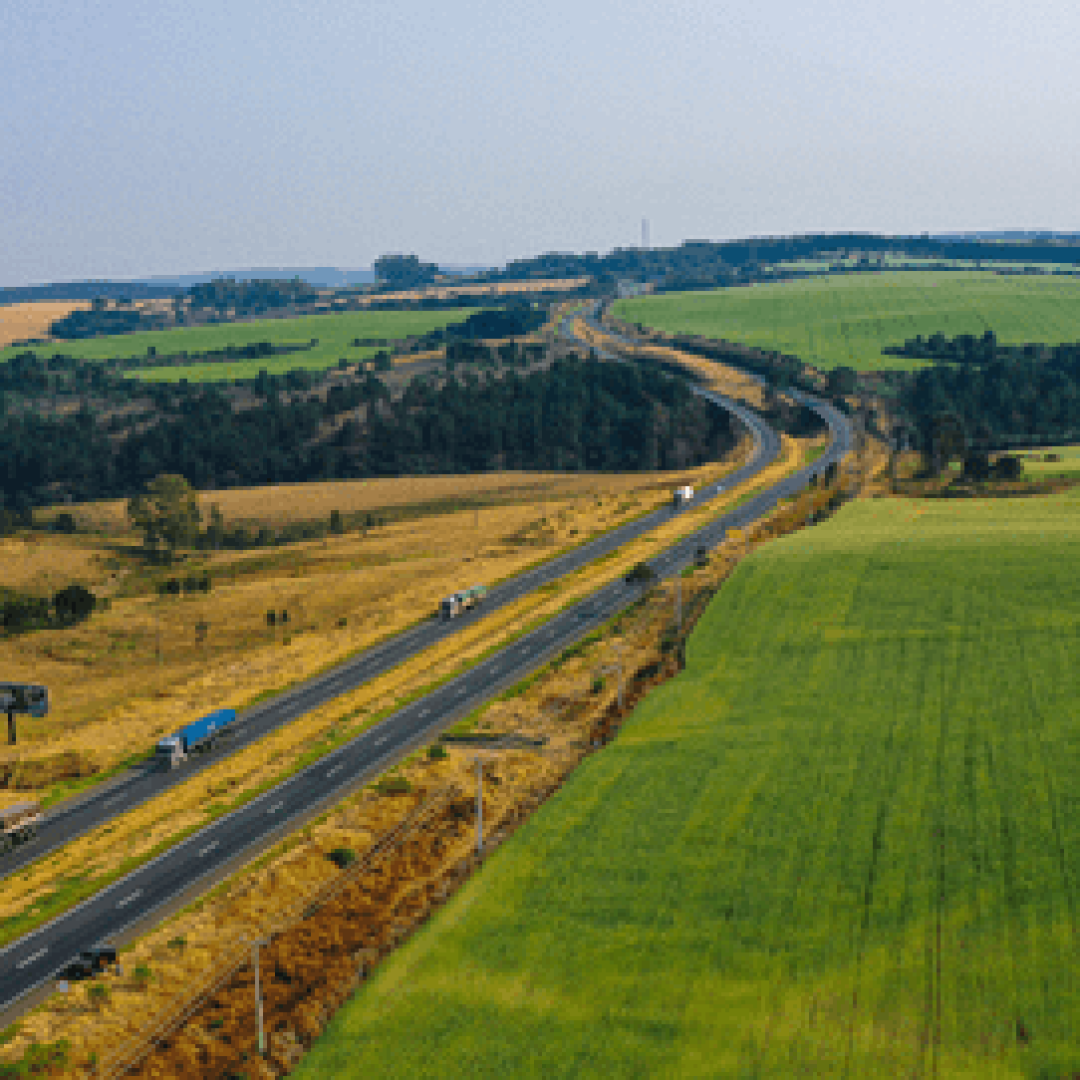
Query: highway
(33, 960)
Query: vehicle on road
(18, 823)
(90, 962)
(682, 496)
(199, 735)
(460, 602)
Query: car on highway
(90, 962)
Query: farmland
(19, 321)
(842, 843)
(847, 320)
(334, 333)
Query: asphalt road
(33, 960)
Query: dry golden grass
(500, 288)
(280, 504)
(714, 375)
(46, 563)
(20, 321)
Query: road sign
(30, 699)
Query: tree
(73, 603)
(404, 271)
(168, 515)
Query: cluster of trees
(105, 317)
(574, 415)
(21, 612)
(963, 349)
(578, 414)
(404, 272)
(248, 298)
(1029, 394)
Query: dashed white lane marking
(127, 899)
(34, 956)
(381, 739)
(115, 798)
(276, 807)
(209, 847)
(336, 769)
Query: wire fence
(127, 1056)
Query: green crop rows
(829, 321)
(845, 842)
(335, 333)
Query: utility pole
(258, 995)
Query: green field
(829, 321)
(845, 842)
(1035, 467)
(229, 370)
(335, 332)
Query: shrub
(143, 973)
(640, 574)
(178, 943)
(436, 751)
(394, 785)
(342, 857)
(98, 993)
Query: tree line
(577, 414)
(997, 396)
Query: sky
(153, 137)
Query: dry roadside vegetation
(21, 321)
(310, 968)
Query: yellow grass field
(281, 504)
(20, 321)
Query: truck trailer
(18, 823)
(460, 602)
(198, 735)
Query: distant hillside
(161, 286)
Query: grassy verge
(838, 844)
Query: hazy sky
(156, 137)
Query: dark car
(90, 962)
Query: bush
(394, 785)
(98, 993)
(641, 574)
(143, 973)
(436, 752)
(64, 523)
(342, 857)
(178, 943)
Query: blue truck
(198, 735)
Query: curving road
(176, 876)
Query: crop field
(335, 332)
(19, 321)
(843, 842)
(1038, 467)
(836, 321)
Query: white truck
(682, 496)
(460, 602)
(18, 823)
